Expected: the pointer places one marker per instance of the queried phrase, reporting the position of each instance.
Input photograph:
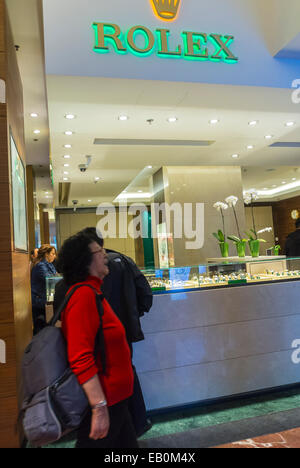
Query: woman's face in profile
(98, 266)
(50, 257)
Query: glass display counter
(224, 274)
(213, 275)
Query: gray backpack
(54, 402)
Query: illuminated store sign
(166, 9)
(139, 40)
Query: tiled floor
(206, 425)
(287, 439)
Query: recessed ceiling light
(97, 178)
(253, 123)
(172, 119)
(235, 156)
(67, 156)
(249, 147)
(290, 124)
(283, 182)
(123, 118)
(268, 137)
(66, 165)
(66, 173)
(68, 132)
(70, 116)
(67, 146)
(149, 167)
(140, 191)
(89, 201)
(214, 121)
(66, 178)
(294, 178)
(37, 132)
(34, 115)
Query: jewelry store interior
(219, 139)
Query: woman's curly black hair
(75, 256)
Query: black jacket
(127, 291)
(292, 245)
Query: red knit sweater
(80, 323)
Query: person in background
(292, 245)
(42, 267)
(129, 294)
(33, 257)
(108, 423)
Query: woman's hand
(100, 423)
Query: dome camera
(82, 167)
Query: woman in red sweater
(108, 423)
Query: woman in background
(42, 268)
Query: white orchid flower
(267, 229)
(250, 196)
(220, 206)
(231, 201)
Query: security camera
(82, 167)
(75, 203)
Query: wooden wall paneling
(9, 438)
(8, 370)
(30, 207)
(6, 288)
(46, 227)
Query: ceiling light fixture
(290, 124)
(123, 118)
(37, 132)
(66, 165)
(235, 156)
(214, 121)
(149, 167)
(34, 115)
(70, 116)
(67, 146)
(90, 201)
(67, 156)
(68, 132)
(66, 173)
(66, 178)
(253, 123)
(172, 119)
(250, 147)
(268, 137)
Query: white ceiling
(97, 103)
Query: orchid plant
(221, 235)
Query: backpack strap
(99, 340)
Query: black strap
(99, 340)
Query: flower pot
(224, 247)
(241, 249)
(276, 250)
(254, 247)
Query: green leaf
(234, 238)
(261, 240)
(216, 236)
(221, 236)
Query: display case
(223, 273)
(212, 275)
(51, 282)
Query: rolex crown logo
(166, 9)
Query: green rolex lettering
(163, 50)
(194, 40)
(149, 40)
(102, 36)
(222, 44)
